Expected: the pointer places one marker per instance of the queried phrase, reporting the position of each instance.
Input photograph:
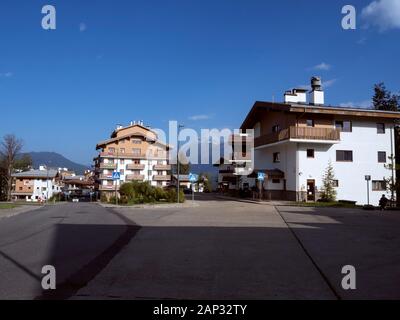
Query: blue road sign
(193, 177)
(116, 175)
(260, 176)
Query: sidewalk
(263, 202)
(186, 204)
(6, 213)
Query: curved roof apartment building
(136, 153)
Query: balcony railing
(302, 133)
(162, 167)
(108, 187)
(108, 165)
(161, 177)
(135, 177)
(106, 177)
(135, 166)
(126, 155)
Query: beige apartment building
(136, 153)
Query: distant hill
(55, 160)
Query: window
(136, 141)
(310, 123)
(276, 157)
(122, 161)
(381, 156)
(276, 180)
(310, 153)
(122, 150)
(136, 151)
(380, 128)
(112, 150)
(276, 128)
(344, 155)
(335, 183)
(378, 185)
(344, 126)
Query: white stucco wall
(365, 144)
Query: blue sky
(203, 63)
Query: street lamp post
(47, 184)
(177, 159)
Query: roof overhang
(261, 106)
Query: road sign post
(193, 178)
(116, 176)
(260, 178)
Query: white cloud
(384, 14)
(328, 83)
(199, 117)
(6, 74)
(361, 104)
(322, 66)
(82, 27)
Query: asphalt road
(217, 249)
(77, 239)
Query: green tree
(204, 178)
(10, 148)
(328, 192)
(184, 166)
(383, 99)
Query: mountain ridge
(55, 160)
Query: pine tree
(328, 193)
(383, 99)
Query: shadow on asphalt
(248, 261)
(76, 234)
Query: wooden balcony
(107, 188)
(162, 167)
(134, 166)
(299, 133)
(105, 177)
(161, 177)
(114, 155)
(108, 166)
(135, 177)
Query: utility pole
(177, 159)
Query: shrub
(127, 191)
(171, 196)
(103, 198)
(113, 200)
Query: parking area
(223, 249)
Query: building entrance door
(310, 190)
